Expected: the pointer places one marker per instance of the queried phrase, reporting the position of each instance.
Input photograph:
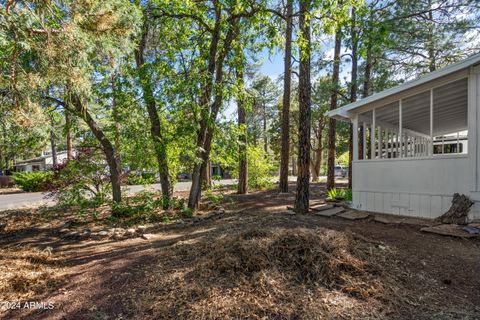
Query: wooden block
(452, 230)
(321, 207)
(330, 212)
(353, 215)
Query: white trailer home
(417, 144)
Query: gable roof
(342, 112)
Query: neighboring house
(42, 163)
(217, 170)
(417, 144)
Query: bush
(32, 181)
(84, 181)
(145, 178)
(260, 168)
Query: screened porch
(429, 123)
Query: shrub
(145, 178)
(187, 212)
(83, 181)
(32, 181)
(260, 168)
(339, 194)
(214, 198)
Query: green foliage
(260, 168)
(51, 51)
(348, 195)
(32, 181)
(214, 197)
(146, 207)
(343, 159)
(145, 178)
(187, 212)
(83, 181)
(339, 194)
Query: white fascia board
(340, 114)
(346, 110)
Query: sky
(272, 66)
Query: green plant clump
(260, 168)
(339, 194)
(145, 178)
(31, 181)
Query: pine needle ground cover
(252, 262)
(277, 274)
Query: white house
(417, 144)
(42, 163)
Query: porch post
(380, 146)
(400, 134)
(431, 123)
(387, 145)
(355, 138)
(372, 136)
(396, 144)
(364, 141)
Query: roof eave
(347, 109)
(339, 114)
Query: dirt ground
(254, 261)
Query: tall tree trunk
(353, 94)
(155, 125)
(303, 180)
(68, 128)
(368, 60)
(265, 138)
(294, 166)
(107, 147)
(317, 162)
(208, 175)
(53, 147)
(333, 105)
(242, 139)
(198, 172)
(116, 117)
(367, 77)
(287, 79)
(210, 110)
(431, 42)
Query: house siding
(410, 187)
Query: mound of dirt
(307, 257)
(284, 274)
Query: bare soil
(255, 261)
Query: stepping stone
(452, 230)
(402, 220)
(330, 212)
(353, 215)
(321, 207)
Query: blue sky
(272, 64)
